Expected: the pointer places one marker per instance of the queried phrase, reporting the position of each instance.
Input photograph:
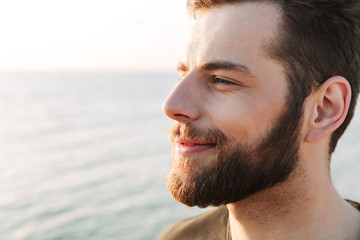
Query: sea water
(85, 156)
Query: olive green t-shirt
(213, 225)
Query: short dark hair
(318, 39)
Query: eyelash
(216, 80)
(220, 80)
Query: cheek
(239, 126)
(241, 119)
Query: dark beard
(239, 170)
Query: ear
(329, 109)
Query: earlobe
(332, 100)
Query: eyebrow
(181, 67)
(217, 65)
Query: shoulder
(210, 225)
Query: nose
(182, 104)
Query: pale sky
(92, 35)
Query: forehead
(234, 32)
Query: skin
(246, 101)
(243, 102)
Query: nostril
(179, 116)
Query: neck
(305, 207)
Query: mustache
(189, 131)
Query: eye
(220, 80)
(223, 84)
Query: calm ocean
(84, 157)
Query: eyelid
(226, 80)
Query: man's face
(235, 133)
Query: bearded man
(266, 89)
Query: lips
(187, 147)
